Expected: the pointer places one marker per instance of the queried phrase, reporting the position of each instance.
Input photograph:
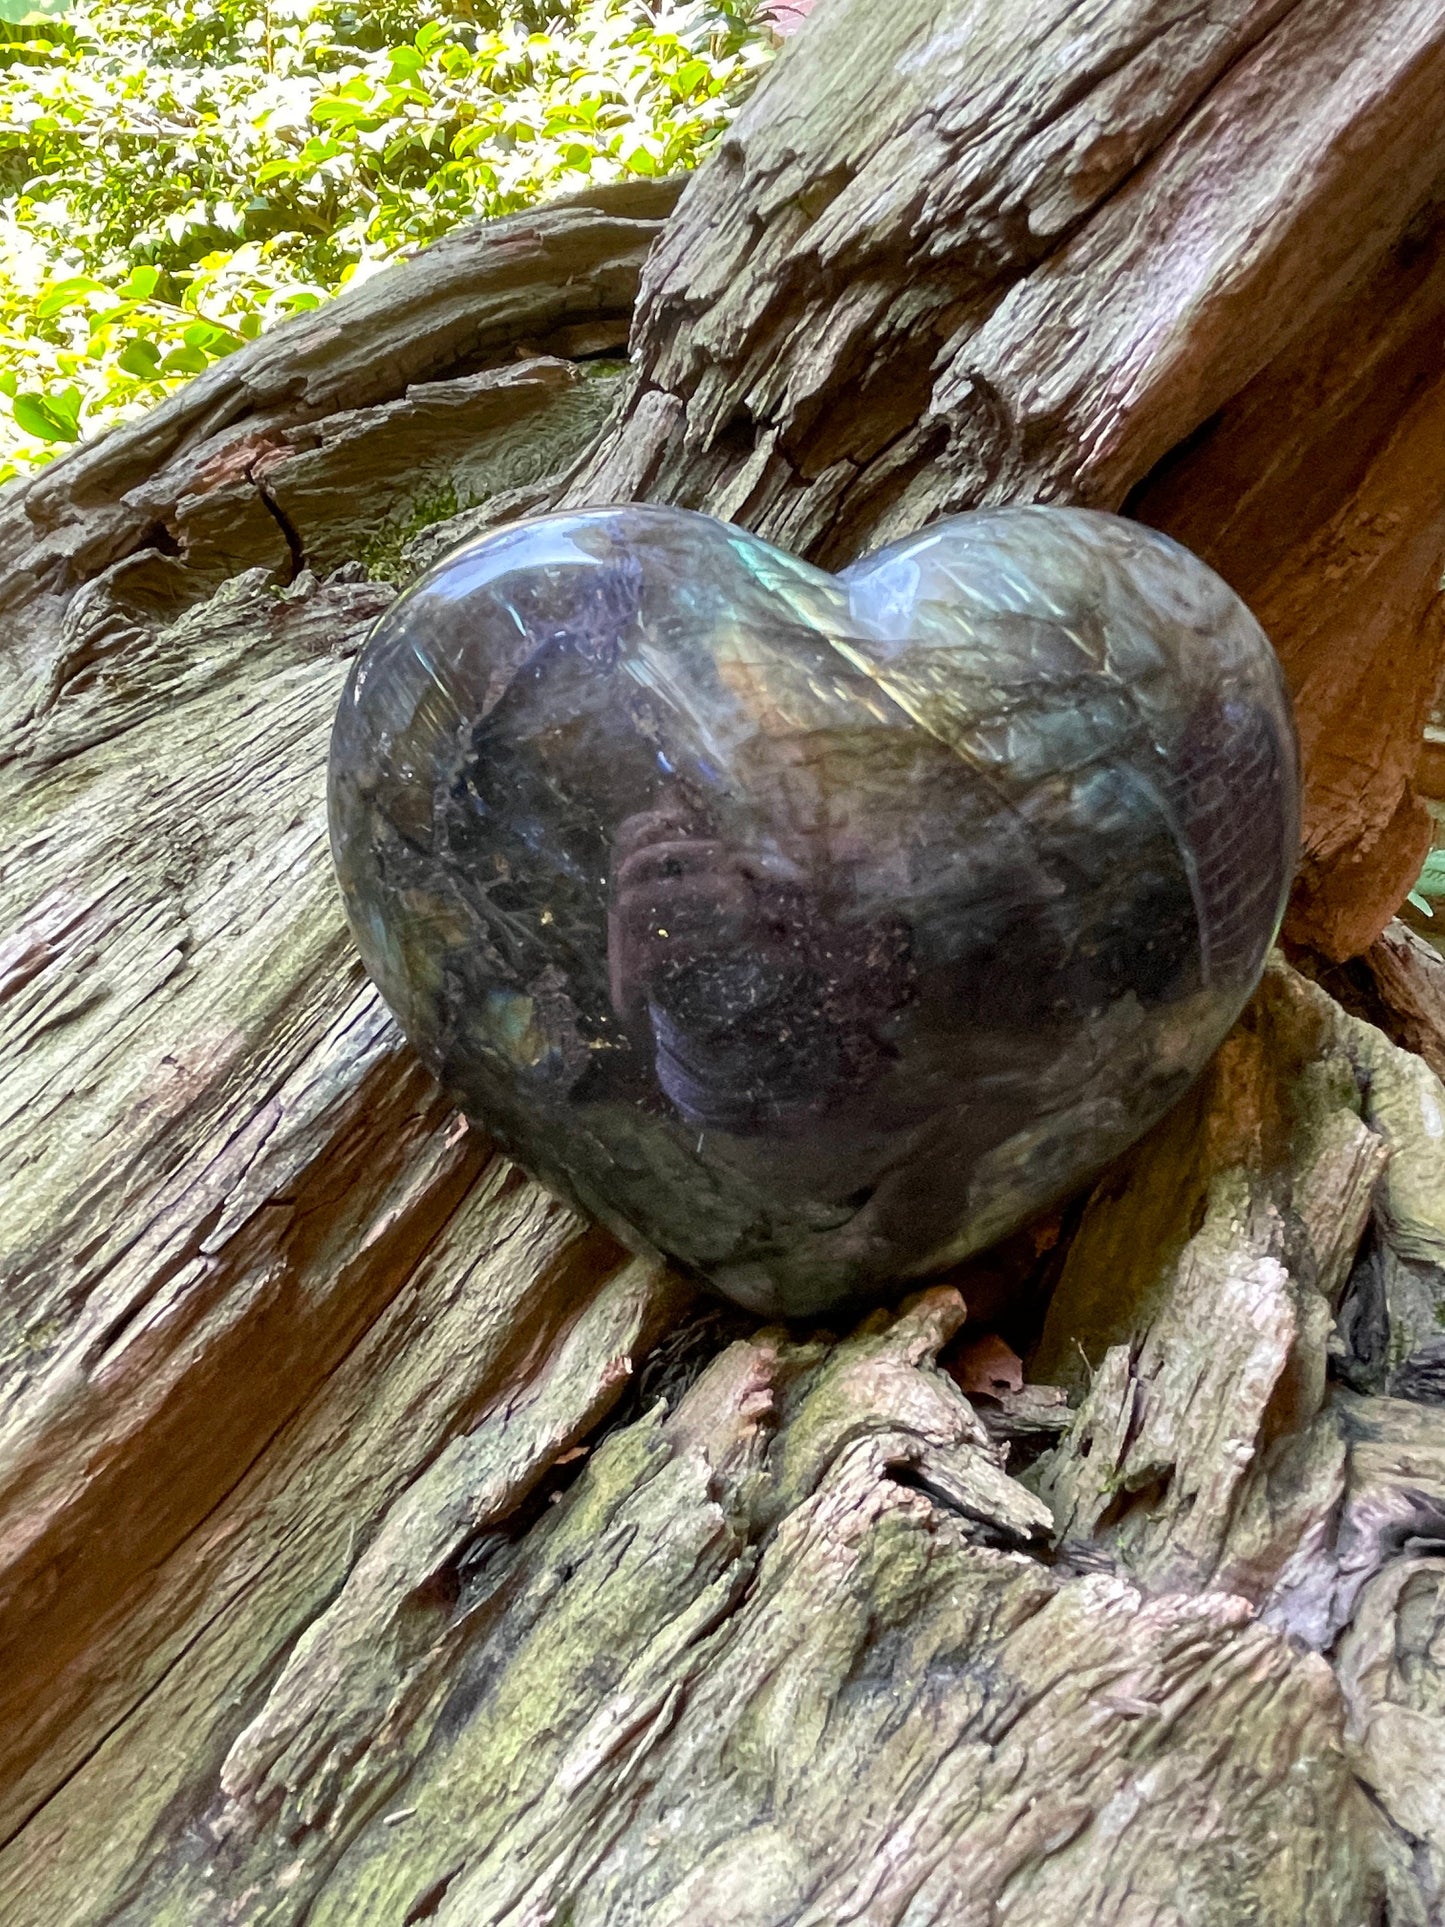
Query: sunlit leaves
(49, 418)
(175, 175)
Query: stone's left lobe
(815, 930)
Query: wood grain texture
(1318, 493)
(379, 1543)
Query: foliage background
(176, 177)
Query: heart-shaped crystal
(815, 930)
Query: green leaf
(339, 113)
(140, 357)
(205, 334)
(139, 284)
(1431, 880)
(38, 415)
(19, 13)
(185, 361)
(68, 294)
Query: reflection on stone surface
(815, 930)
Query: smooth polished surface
(815, 930)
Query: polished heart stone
(815, 930)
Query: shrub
(175, 176)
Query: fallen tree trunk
(379, 1543)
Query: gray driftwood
(381, 1544)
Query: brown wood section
(1319, 493)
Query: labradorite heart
(815, 930)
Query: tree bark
(378, 1542)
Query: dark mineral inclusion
(815, 930)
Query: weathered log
(379, 1543)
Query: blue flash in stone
(815, 930)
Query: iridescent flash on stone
(815, 930)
